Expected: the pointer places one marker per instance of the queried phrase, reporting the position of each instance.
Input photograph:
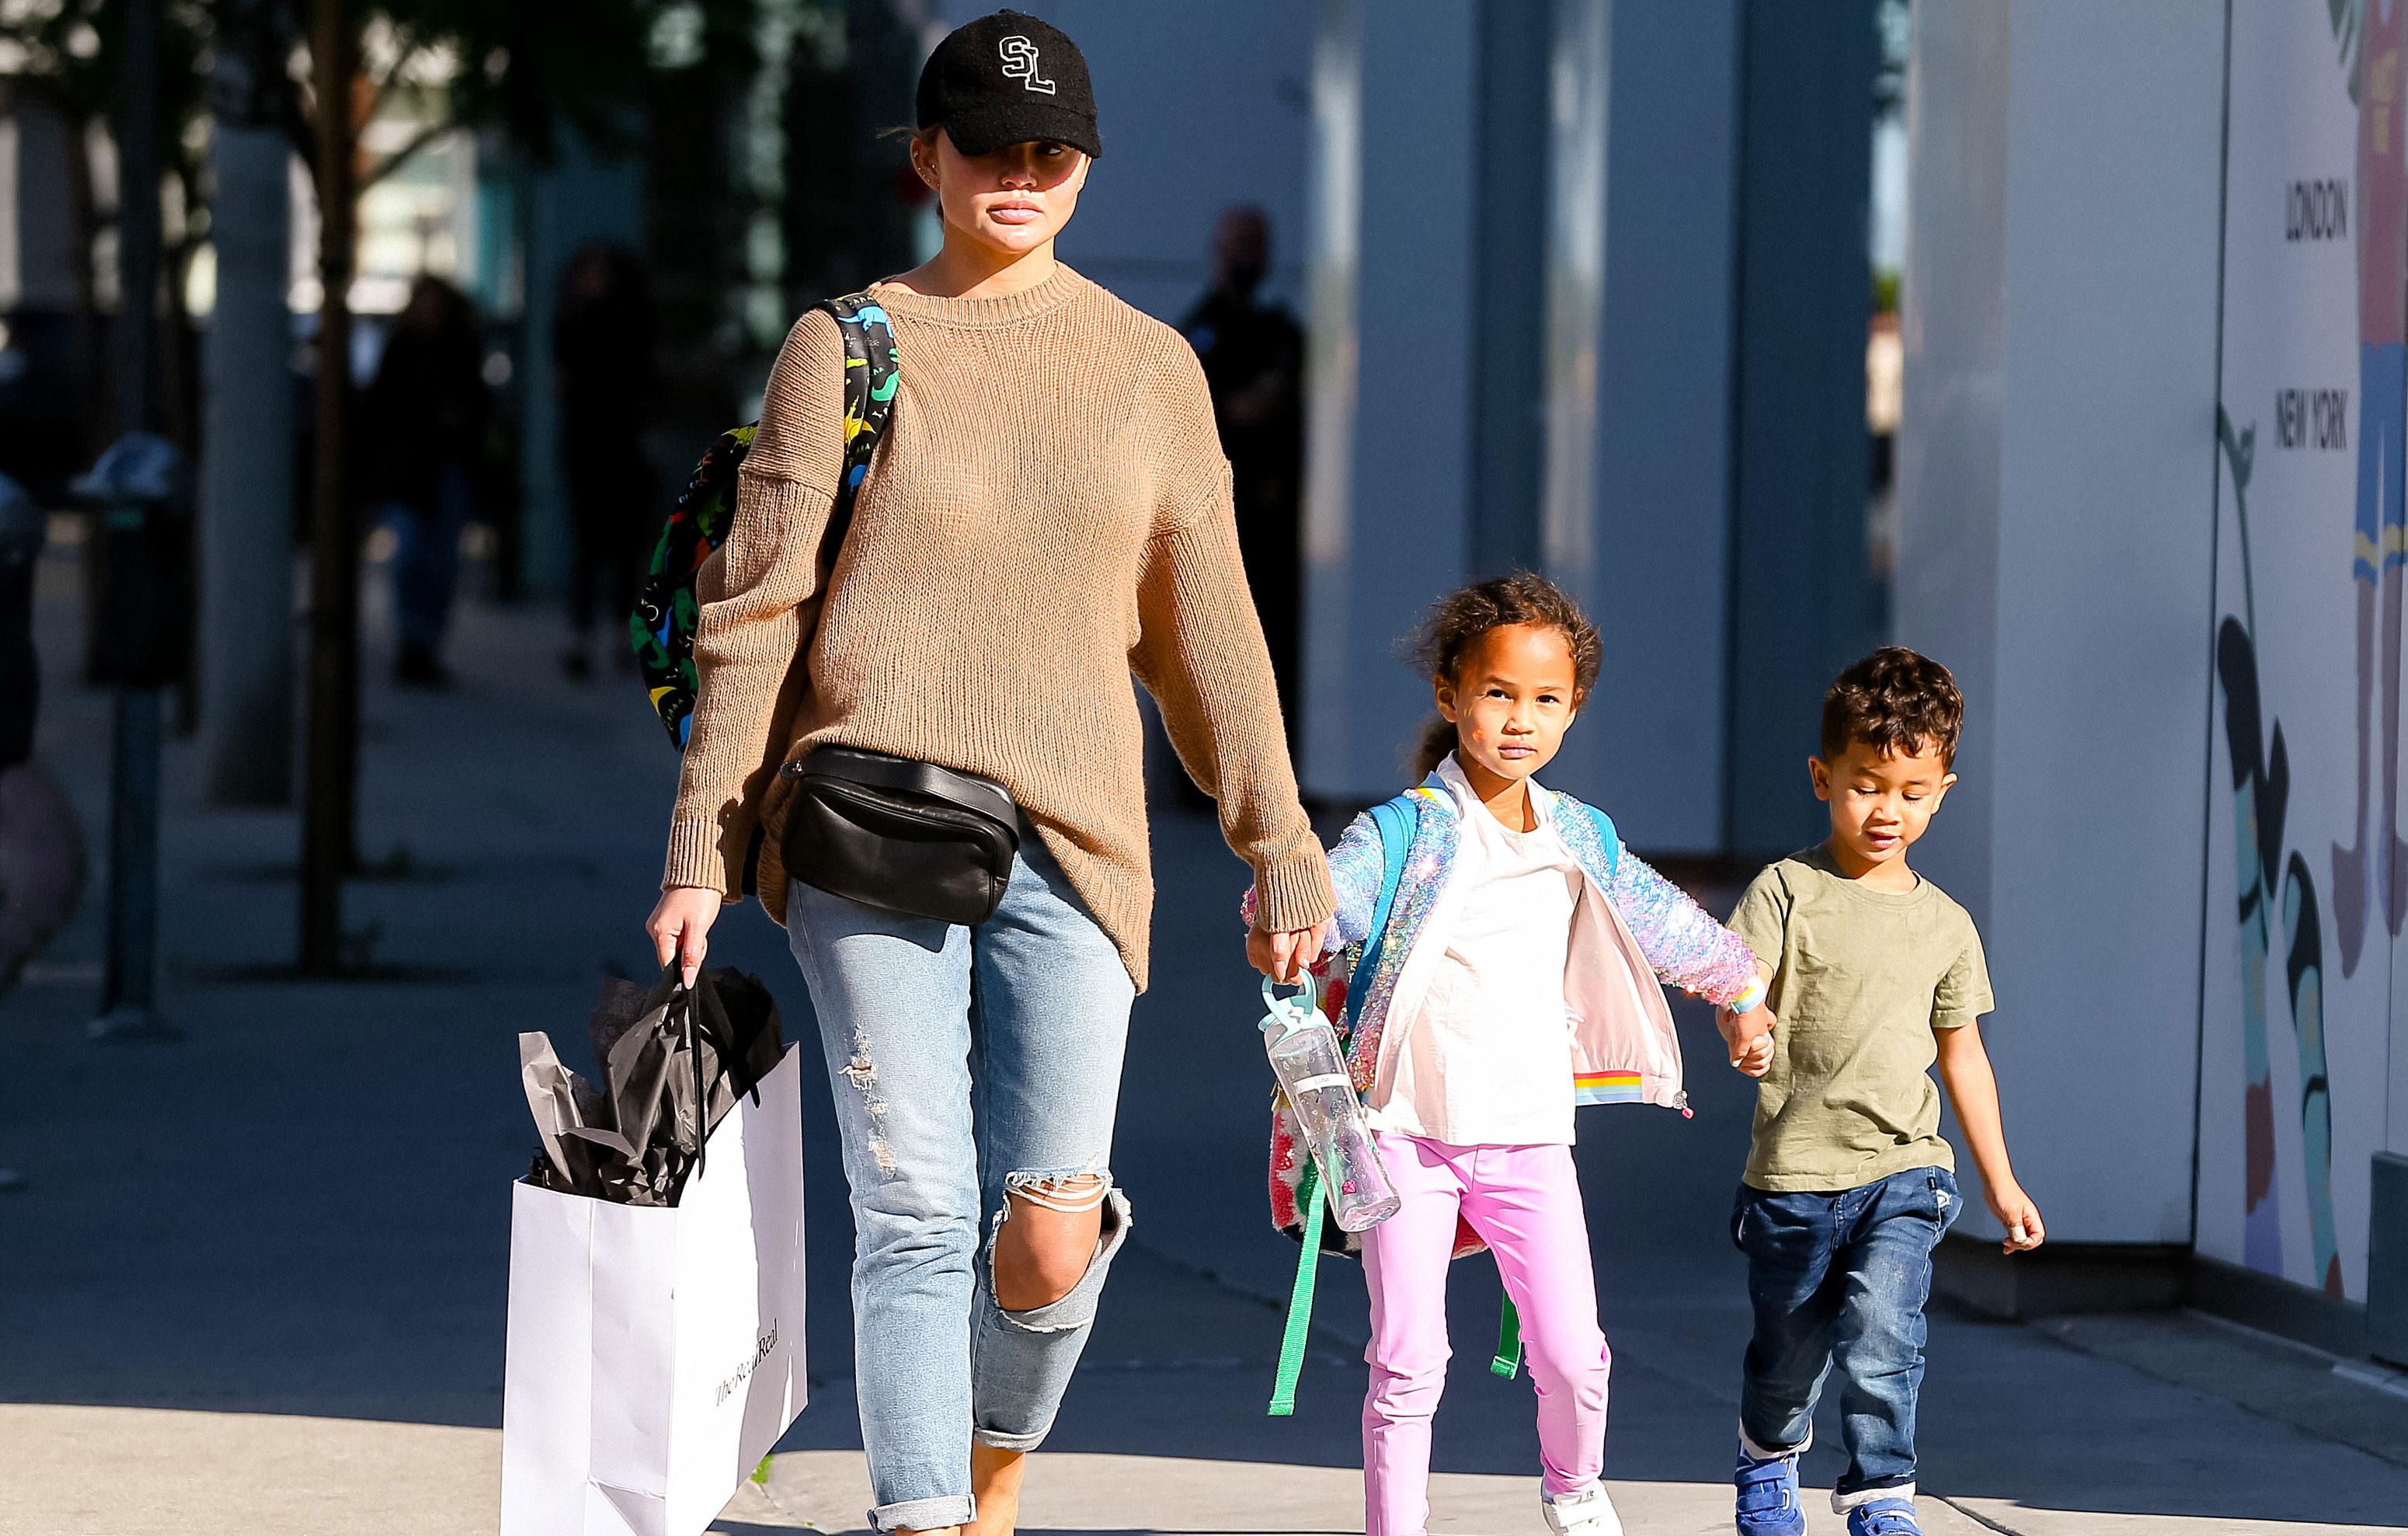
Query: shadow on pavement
(303, 1208)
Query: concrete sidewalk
(255, 1282)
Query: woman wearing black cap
(1049, 512)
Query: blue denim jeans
(426, 560)
(967, 1064)
(1839, 1281)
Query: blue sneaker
(1884, 1517)
(1767, 1495)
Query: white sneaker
(1589, 1513)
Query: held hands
(2018, 1214)
(1284, 957)
(680, 926)
(1748, 1038)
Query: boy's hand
(1757, 1059)
(1748, 1038)
(2018, 1215)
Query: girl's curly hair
(1456, 621)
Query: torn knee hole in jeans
(863, 1074)
(1072, 1194)
(1069, 1300)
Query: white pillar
(1640, 303)
(1387, 506)
(2055, 475)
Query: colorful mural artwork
(2311, 542)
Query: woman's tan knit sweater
(1048, 513)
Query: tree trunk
(334, 557)
(83, 235)
(92, 393)
(247, 442)
(137, 223)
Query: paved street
(254, 1282)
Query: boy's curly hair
(1457, 620)
(1894, 701)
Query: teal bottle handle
(1309, 993)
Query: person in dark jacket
(1253, 363)
(602, 362)
(424, 428)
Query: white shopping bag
(656, 1353)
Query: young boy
(1876, 975)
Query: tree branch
(402, 156)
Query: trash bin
(141, 493)
(142, 497)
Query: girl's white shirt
(1486, 1055)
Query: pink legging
(1526, 1203)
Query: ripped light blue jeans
(967, 1064)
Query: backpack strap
(1397, 820)
(871, 373)
(1309, 1195)
(1507, 1362)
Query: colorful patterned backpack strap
(663, 625)
(872, 372)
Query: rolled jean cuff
(952, 1509)
(1843, 1503)
(1748, 1443)
(996, 1439)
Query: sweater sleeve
(1686, 947)
(1199, 652)
(757, 594)
(1357, 865)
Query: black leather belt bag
(898, 835)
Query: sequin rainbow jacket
(1632, 928)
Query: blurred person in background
(602, 368)
(1253, 363)
(41, 842)
(423, 432)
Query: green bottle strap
(1300, 1301)
(1508, 1344)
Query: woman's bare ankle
(995, 1484)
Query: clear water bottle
(1329, 1118)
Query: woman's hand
(680, 926)
(1284, 957)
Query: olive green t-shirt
(1862, 980)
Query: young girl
(1515, 982)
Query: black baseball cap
(1008, 78)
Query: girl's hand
(1285, 956)
(680, 926)
(2018, 1214)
